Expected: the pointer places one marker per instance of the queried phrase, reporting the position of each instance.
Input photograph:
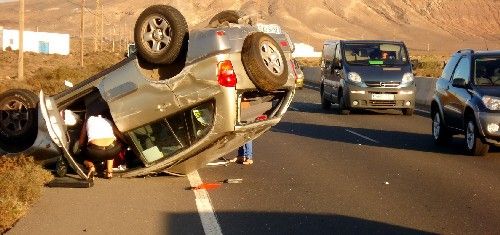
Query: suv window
(448, 69)
(463, 69)
(167, 136)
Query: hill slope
(438, 24)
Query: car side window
(462, 70)
(450, 66)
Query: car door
(57, 130)
(137, 96)
(458, 96)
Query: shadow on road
(388, 139)
(288, 223)
(316, 108)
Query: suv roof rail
(465, 50)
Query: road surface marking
(294, 109)
(423, 111)
(362, 136)
(205, 209)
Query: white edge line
(362, 136)
(423, 111)
(308, 86)
(205, 208)
(294, 109)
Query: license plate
(382, 96)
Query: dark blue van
(367, 74)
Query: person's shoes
(247, 161)
(238, 159)
(108, 174)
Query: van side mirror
(459, 82)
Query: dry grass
(21, 182)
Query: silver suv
(178, 100)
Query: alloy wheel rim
(156, 33)
(436, 123)
(14, 117)
(272, 58)
(470, 135)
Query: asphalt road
(315, 172)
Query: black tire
(264, 75)
(325, 104)
(407, 112)
(440, 133)
(167, 21)
(474, 144)
(230, 16)
(61, 167)
(18, 119)
(342, 108)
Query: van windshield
(487, 71)
(379, 54)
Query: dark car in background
(467, 101)
(367, 74)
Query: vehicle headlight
(407, 78)
(353, 76)
(492, 103)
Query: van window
(338, 55)
(328, 50)
(375, 54)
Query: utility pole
(82, 31)
(20, 66)
(96, 24)
(102, 28)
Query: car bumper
(383, 98)
(488, 123)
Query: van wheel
(440, 134)
(159, 33)
(18, 119)
(343, 110)
(407, 112)
(473, 143)
(230, 16)
(325, 104)
(264, 61)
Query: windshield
(487, 71)
(375, 54)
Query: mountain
(438, 25)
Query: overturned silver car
(178, 101)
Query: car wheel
(230, 16)
(343, 110)
(473, 143)
(18, 119)
(408, 112)
(159, 33)
(325, 104)
(264, 61)
(61, 167)
(439, 132)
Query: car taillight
(284, 43)
(226, 75)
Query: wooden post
(102, 28)
(96, 24)
(82, 32)
(20, 66)
(113, 38)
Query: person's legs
(248, 149)
(109, 168)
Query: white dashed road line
(362, 136)
(205, 208)
(311, 87)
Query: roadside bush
(21, 183)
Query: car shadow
(283, 223)
(384, 138)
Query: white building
(39, 42)
(305, 50)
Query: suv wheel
(343, 110)
(439, 132)
(18, 119)
(159, 34)
(264, 61)
(473, 143)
